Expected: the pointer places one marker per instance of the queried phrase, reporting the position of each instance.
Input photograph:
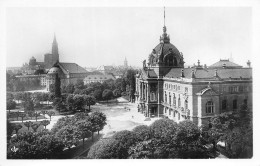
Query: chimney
(248, 64)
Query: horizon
(85, 35)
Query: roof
(163, 48)
(71, 67)
(99, 77)
(222, 73)
(149, 73)
(226, 63)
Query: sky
(95, 36)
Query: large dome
(164, 48)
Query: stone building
(164, 88)
(98, 78)
(68, 73)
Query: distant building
(28, 78)
(97, 78)
(164, 88)
(125, 63)
(68, 73)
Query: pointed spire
(164, 38)
(54, 39)
(164, 17)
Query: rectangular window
(170, 112)
(186, 89)
(234, 104)
(224, 89)
(179, 88)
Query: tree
(77, 91)
(68, 136)
(78, 102)
(104, 149)
(35, 126)
(142, 132)
(35, 145)
(126, 139)
(28, 124)
(22, 115)
(45, 123)
(107, 94)
(28, 105)
(90, 100)
(9, 129)
(10, 105)
(79, 84)
(36, 114)
(44, 112)
(83, 129)
(50, 114)
(17, 127)
(117, 93)
(70, 88)
(235, 130)
(31, 114)
(98, 94)
(99, 119)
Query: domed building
(68, 73)
(164, 88)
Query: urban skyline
(87, 32)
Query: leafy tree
(10, 105)
(142, 132)
(94, 124)
(83, 129)
(61, 123)
(79, 84)
(78, 102)
(35, 145)
(35, 126)
(87, 91)
(22, 115)
(98, 94)
(117, 93)
(77, 91)
(99, 119)
(126, 139)
(67, 134)
(17, 127)
(45, 123)
(90, 100)
(143, 150)
(44, 112)
(70, 88)
(28, 124)
(235, 130)
(9, 129)
(31, 114)
(107, 94)
(50, 114)
(36, 115)
(104, 149)
(28, 105)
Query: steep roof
(226, 63)
(149, 73)
(72, 67)
(210, 73)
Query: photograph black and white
(129, 82)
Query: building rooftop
(225, 63)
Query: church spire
(55, 51)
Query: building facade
(164, 88)
(98, 78)
(68, 73)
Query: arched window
(224, 104)
(179, 101)
(174, 100)
(186, 104)
(175, 63)
(234, 104)
(170, 98)
(209, 107)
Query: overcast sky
(94, 36)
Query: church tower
(55, 51)
(125, 63)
